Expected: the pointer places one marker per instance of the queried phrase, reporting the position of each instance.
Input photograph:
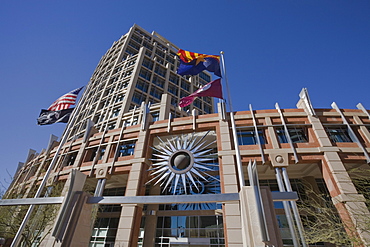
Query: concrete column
(151, 220)
(164, 109)
(130, 218)
(229, 184)
(272, 135)
(129, 222)
(128, 226)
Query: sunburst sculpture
(182, 164)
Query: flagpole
(232, 119)
(71, 121)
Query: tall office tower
(139, 68)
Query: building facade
(150, 174)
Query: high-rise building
(139, 68)
(138, 171)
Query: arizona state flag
(212, 89)
(192, 63)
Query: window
(101, 153)
(148, 45)
(136, 38)
(117, 69)
(131, 51)
(190, 227)
(111, 126)
(152, 101)
(138, 97)
(338, 134)
(133, 121)
(185, 85)
(145, 74)
(205, 76)
(158, 59)
(158, 81)
(124, 84)
(297, 135)
(202, 82)
(148, 63)
(156, 92)
(197, 103)
(119, 98)
(70, 159)
(115, 112)
(114, 79)
(183, 94)
(155, 116)
(134, 45)
(99, 118)
(207, 99)
(104, 232)
(148, 52)
(129, 63)
(160, 70)
(142, 85)
(174, 78)
(119, 191)
(172, 89)
(127, 73)
(159, 53)
(126, 149)
(102, 104)
(95, 151)
(247, 137)
(174, 101)
(170, 59)
(108, 91)
(207, 109)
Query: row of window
(125, 149)
(296, 134)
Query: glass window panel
(138, 97)
(142, 85)
(160, 71)
(208, 221)
(102, 232)
(172, 89)
(148, 63)
(297, 135)
(156, 92)
(246, 137)
(126, 149)
(155, 116)
(338, 134)
(158, 81)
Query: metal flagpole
(71, 121)
(294, 207)
(288, 213)
(235, 138)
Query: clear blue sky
(273, 48)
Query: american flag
(65, 101)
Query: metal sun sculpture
(182, 164)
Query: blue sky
(273, 48)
